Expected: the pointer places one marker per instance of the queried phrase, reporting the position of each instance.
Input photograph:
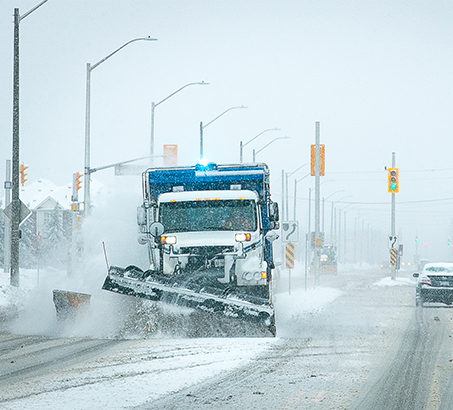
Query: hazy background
(376, 74)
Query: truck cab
(216, 223)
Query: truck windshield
(213, 215)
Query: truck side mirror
(273, 212)
(141, 215)
(271, 236)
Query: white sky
(376, 74)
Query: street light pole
(287, 193)
(154, 105)
(295, 192)
(275, 139)
(324, 199)
(241, 145)
(87, 170)
(332, 216)
(15, 201)
(202, 127)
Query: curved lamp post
(275, 139)
(154, 105)
(202, 127)
(241, 146)
(87, 172)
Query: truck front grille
(206, 251)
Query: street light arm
(120, 48)
(229, 109)
(341, 190)
(347, 196)
(254, 138)
(305, 176)
(303, 165)
(92, 170)
(177, 91)
(32, 10)
(279, 138)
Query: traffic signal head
(22, 169)
(78, 182)
(393, 183)
(448, 242)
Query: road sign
(24, 211)
(290, 231)
(316, 242)
(393, 257)
(289, 256)
(322, 160)
(393, 241)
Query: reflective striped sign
(289, 256)
(392, 256)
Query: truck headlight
(243, 237)
(169, 240)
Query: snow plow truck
(209, 231)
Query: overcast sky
(376, 74)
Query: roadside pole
(316, 161)
(393, 188)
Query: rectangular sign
(322, 160)
(170, 155)
(289, 256)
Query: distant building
(43, 198)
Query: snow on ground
(139, 372)
(139, 369)
(398, 281)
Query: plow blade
(205, 298)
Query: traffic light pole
(15, 202)
(392, 228)
(15, 211)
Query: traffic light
(416, 238)
(448, 242)
(78, 182)
(22, 174)
(393, 184)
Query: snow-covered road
(329, 338)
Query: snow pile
(387, 281)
